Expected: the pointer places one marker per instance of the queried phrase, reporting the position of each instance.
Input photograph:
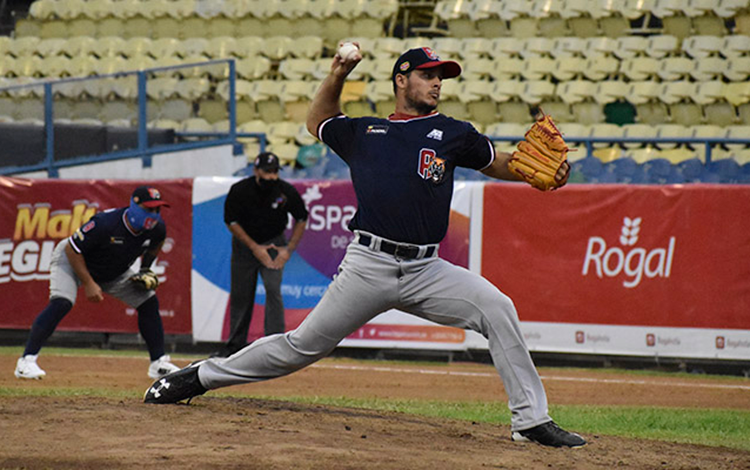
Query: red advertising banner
(36, 214)
(666, 256)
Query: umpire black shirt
(263, 215)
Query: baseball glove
(146, 279)
(538, 158)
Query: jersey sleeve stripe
(323, 123)
(492, 155)
(73, 245)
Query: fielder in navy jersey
(98, 256)
(402, 171)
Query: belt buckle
(407, 251)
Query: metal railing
(143, 151)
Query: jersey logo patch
(377, 129)
(116, 241)
(279, 202)
(436, 134)
(87, 228)
(431, 167)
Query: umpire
(98, 257)
(255, 212)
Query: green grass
(711, 427)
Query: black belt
(398, 250)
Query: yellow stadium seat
(605, 130)
(735, 45)
(164, 47)
(221, 47)
(737, 69)
(277, 47)
(661, 45)
(601, 67)
(575, 91)
(109, 46)
(308, 47)
(48, 47)
(24, 46)
(672, 131)
(609, 91)
(675, 68)
(588, 112)
(132, 27)
(79, 46)
(709, 68)
(701, 46)
(505, 90)
(139, 46)
(676, 91)
(600, 46)
(720, 113)
(569, 68)
(253, 68)
(514, 110)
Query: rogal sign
(626, 260)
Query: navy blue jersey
(262, 216)
(402, 170)
(109, 247)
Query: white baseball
(347, 51)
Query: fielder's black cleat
(175, 387)
(549, 434)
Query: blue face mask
(140, 218)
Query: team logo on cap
(430, 53)
(404, 66)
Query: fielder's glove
(146, 279)
(538, 158)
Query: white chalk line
(480, 374)
(544, 377)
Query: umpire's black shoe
(549, 434)
(175, 387)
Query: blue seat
(604, 177)
(625, 170)
(590, 168)
(336, 168)
(661, 171)
(728, 170)
(692, 170)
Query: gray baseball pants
(64, 283)
(370, 282)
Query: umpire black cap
(424, 58)
(268, 162)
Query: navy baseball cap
(267, 161)
(148, 196)
(424, 58)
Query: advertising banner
(37, 214)
(669, 262)
(308, 273)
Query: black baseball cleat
(175, 387)
(549, 434)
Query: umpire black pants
(245, 268)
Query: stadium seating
(676, 63)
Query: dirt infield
(238, 431)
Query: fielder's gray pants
(370, 282)
(64, 283)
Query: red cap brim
(450, 69)
(155, 204)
